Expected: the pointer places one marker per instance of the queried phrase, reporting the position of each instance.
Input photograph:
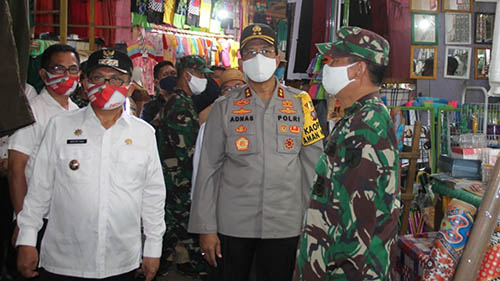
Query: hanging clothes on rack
(181, 13)
(193, 16)
(144, 57)
(155, 11)
(205, 13)
(168, 12)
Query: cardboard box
(414, 250)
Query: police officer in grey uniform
(256, 170)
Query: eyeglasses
(229, 89)
(99, 79)
(265, 52)
(61, 69)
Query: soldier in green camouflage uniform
(177, 132)
(351, 225)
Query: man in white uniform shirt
(98, 175)
(60, 72)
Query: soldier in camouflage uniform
(351, 224)
(177, 132)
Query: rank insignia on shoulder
(288, 111)
(128, 141)
(289, 143)
(242, 144)
(74, 165)
(241, 129)
(295, 129)
(283, 128)
(78, 132)
(241, 102)
(248, 93)
(281, 93)
(242, 111)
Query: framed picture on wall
(425, 6)
(482, 56)
(423, 63)
(424, 29)
(457, 28)
(457, 6)
(484, 23)
(457, 63)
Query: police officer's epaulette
(293, 90)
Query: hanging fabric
(205, 13)
(155, 11)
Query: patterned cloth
(155, 11)
(177, 132)
(351, 225)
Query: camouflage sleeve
(178, 130)
(368, 162)
(351, 223)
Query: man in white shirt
(60, 72)
(98, 175)
(61, 62)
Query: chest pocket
(75, 165)
(242, 138)
(131, 165)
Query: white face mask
(260, 68)
(335, 78)
(197, 85)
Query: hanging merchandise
(181, 13)
(168, 12)
(282, 34)
(316, 90)
(123, 18)
(155, 11)
(193, 15)
(139, 10)
(205, 13)
(143, 55)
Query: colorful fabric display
(449, 246)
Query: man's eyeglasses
(265, 52)
(99, 79)
(61, 69)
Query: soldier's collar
(361, 102)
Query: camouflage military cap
(194, 62)
(355, 41)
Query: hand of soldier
(27, 259)
(210, 247)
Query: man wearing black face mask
(177, 131)
(256, 169)
(162, 70)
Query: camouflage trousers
(177, 209)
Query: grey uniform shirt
(255, 175)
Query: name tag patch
(80, 141)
